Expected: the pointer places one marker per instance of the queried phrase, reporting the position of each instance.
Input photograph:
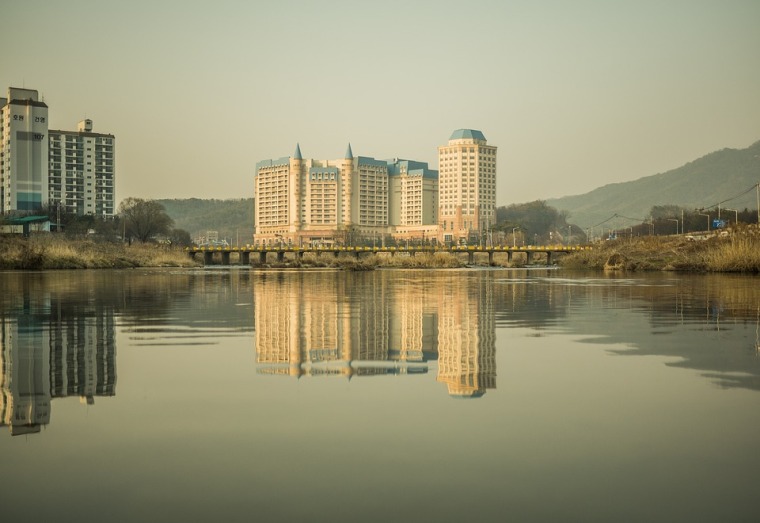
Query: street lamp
(514, 241)
(737, 214)
(674, 220)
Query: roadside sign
(719, 224)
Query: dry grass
(50, 252)
(739, 252)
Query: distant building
(306, 201)
(359, 199)
(73, 169)
(23, 151)
(467, 184)
(82, 172)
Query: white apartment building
(306, 201)
(23, 151)
(467, 185)
(82, 172)
(38, 166)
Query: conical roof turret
(349, 152)
(297, 154)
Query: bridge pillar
(470, 257)
(299, 255)
(548, 257)
(335, 253)
(490, 257)
(208, 257)
(530, 256)
(262, 257)
(191, 254)
(356, 254)
(245, 258)
(225, 258)
(280, 256)
(509, 256)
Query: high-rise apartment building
(467, 186)
(307, 201)
(82, 170)
(73, 169)
(23, 151)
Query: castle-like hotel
(307, 202)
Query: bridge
(244, 253)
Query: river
(392, 395)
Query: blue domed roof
(467, 134)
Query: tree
(534, 219)
(144, 219)
(180, 237)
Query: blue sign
(719, 224)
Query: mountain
(721, 176)
(232, 219)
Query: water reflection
(347, 324)
(58, 330)
(710, 323)
(50, 349)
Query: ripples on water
(266, 373)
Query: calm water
(464, 395)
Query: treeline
(539, 223)
(136, 220)
(535, 223)
(663, 220)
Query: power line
(752, 188)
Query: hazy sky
(576, 94)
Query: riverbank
(737, 251)
(49, 251)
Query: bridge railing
(400, 248)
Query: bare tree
(144, 219)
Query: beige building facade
(467, 185)
(355, 199)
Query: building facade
(23, 151)
(311, 202)
(71, 169)
(467, 185)
(82, 172)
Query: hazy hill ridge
(701, 183)
(232, 219)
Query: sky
(575, 95)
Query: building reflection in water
(360, 325)
(52, 350)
